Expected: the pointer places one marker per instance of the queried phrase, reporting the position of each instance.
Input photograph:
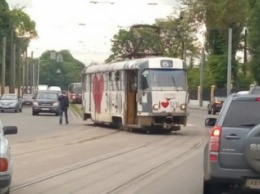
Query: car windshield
(163, 79)
(243, 113)
(9, 97)
(27, 96)
(47, 96)
(217, 98)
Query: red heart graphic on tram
(165, 104)
(98, 88)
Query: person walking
(64, 105)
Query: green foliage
(4, 17)
(218, 68)
(254, 39)
(70, 70)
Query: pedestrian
(64, 105)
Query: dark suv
(46, 102)
(232, 154)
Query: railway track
(160, 142)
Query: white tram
(145, 93)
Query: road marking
(190, 125)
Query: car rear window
(242, 113)
(256, 91)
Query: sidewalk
(195, 104)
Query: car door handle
(232, 136)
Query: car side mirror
(210, 122)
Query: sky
(85, 28)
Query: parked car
(46, 102)
(27, 99)
(255, 90)
(232, 153)
(6, 169)
(11, 102)
(215, 104)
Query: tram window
(144, 80)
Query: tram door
(131, 90)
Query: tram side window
(85, 83)
(111, 86)
(145, 80)
(106, 81)
(118, 78)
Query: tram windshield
(164, 79)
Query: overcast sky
(57, 23)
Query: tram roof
(153, 62)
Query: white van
(55, 88)
(42, 87)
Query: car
(242, 92)
(56, 88)
(215, 104)
(232, 152)
(27, 99)
(10, 101)
(6, 168)
(255, 90)
(46, 102)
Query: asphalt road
(83, 159)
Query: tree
(218, 16)
(70, 69)
(171, 37)
(254, 38)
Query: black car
(46, 102)
(232, 153)
(215, 104)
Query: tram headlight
(183, 106)
(156, 106)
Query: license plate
(253, 183)
(45, 109)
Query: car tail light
(258, 99)
(215, 138)
(3, 164)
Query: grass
(76, 109)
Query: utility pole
(23, 71)
(26, 71)
(12, 81)
(245, 48)
(201, 75)
(11, 90)
(19, 71)
(3, 66)
(31, 73)
(229, 61)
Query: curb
(74, 112)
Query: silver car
(11, 102)
(5, 158)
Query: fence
(213, 91)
